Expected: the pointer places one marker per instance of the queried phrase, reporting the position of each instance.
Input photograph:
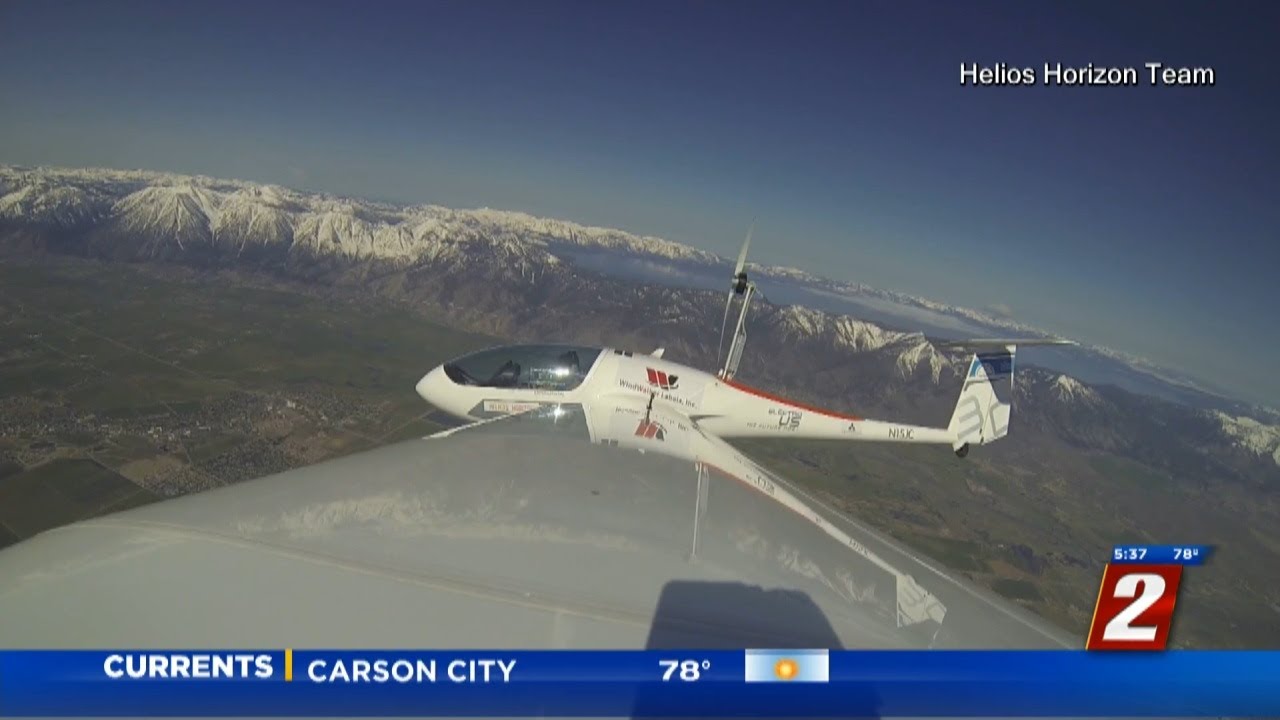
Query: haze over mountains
(531, 278)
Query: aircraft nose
(431, 384)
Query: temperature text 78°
(684, 670)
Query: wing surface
(561, 528)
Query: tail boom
(746, 412)
(981, 414)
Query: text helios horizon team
(1056, 74)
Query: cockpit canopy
(540, 367)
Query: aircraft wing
(545, 530)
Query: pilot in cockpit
(507, 376)
(555, 367)
(569, 361)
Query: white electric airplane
(513, 379)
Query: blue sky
(1140, 218)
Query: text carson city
(1155, 74)
(400, 670)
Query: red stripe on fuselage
(779, 399)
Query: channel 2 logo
(1138, 595)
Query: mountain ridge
(399, 231)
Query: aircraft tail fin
(986, 400)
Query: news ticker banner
(759, 683)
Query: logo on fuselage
(787, 419)
(657, 378)
(651, 430)
(655, 388)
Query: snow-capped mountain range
(178, 211)
(513, 274)
(196, 209)
(1251, 434)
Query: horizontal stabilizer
(986, 343)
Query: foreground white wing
(521, 533)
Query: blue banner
(759, 683)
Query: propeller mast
(739, 285)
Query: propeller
(742, 259)
(737, 285)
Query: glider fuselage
(537, 376)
